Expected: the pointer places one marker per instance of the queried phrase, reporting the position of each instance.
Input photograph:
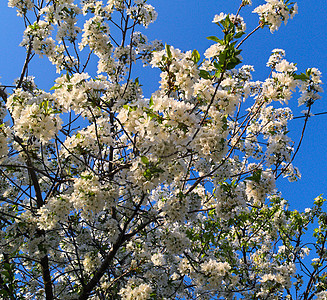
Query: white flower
(274, 12)
(214, 50)
(215, 268)
(22, 6)
(219, 18)
(285, 66)
(158, 259)
(133, 291)
(322, 295)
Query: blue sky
(185, 24)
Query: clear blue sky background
(185, 24)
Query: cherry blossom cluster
(108, 193)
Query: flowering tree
(107, 194)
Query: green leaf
(223, 56)
(233, 63)
(151, 102)
(301, 76)
(213, 38)
(56, 87)
(147, 174)
(239, 34)
(204, 74)
(4, 293)
(145, 160)
(256, 176)
(168, 51)
(195, 56)
(217, 66)
(229, 37)
(217, 74)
